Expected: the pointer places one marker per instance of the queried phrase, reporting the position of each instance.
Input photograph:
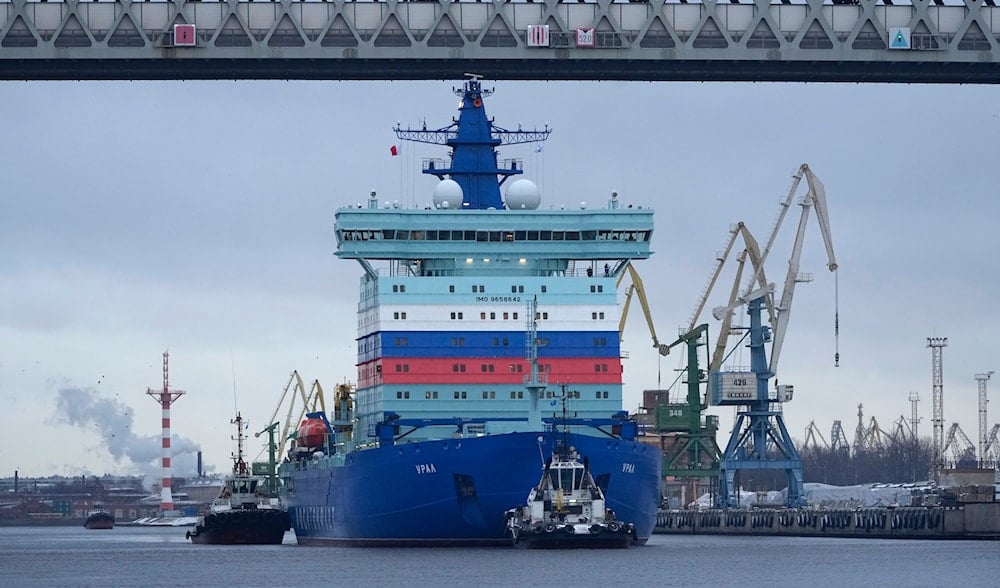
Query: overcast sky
(197, 217)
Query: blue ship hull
(455, 491)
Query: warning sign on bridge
(899, 38)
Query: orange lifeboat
(312, 433)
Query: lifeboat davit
(312, 433)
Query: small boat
(247, 511)
(99, 519)
(567, 509)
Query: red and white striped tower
(165, 398)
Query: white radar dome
(448, 194)
(523, 194)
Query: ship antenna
(232, 366)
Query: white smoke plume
(112, 421)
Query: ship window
(593, 288)
(454, 367)
(545, 288)
(427, 395)
(589, 235)
(453, 316)
(431, 235)
(513, 289)
(402, 287)
(399, 395)
(482, 316)
(459, 316)
(451, 288)
(597, 367)
(515, 316)
(402, 235)
(395, 315)
(572, 235)
(474, 288)
(520, 289)
(482, 367)
(545, 235)
(506, 316)
(600, 315)
(545, 315)
(557, 236)
(461, 367)
(600, 288)
(402, 315)
(406, 394)
(597, 394)
(508, 236)
(482, 289)
(593, 316)
(493, 316)
(532, 235)
(482, 236)
(494, 236)
(395, 288)
(520, 235)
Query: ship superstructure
(441, 320)
(449, 295)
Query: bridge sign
(899, 38)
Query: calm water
(132, 556)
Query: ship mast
(535, 383)
(473, 139)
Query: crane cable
(836, 319)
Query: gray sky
(197, 217)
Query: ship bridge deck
(429, 234)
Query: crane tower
(165, 398)
(914, 419)
(981, 379)
(937, 400)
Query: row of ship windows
(481, 289)
(460, 368)
(492, 236)
(457, 316)
(497, 341)
(492, 394)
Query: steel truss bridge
(928, 41)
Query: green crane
(692, 451)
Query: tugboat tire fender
(568, 529)
(595, 529)
(549, 528)
(614, 527)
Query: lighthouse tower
(165, 398)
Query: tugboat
(248, 510)
(567, 509)
(99, 519)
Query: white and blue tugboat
(567, 508)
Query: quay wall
(971, 521)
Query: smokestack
(15, 482)
(200, 474)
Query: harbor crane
(958, 447)
(760, 440)
(690, 450)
